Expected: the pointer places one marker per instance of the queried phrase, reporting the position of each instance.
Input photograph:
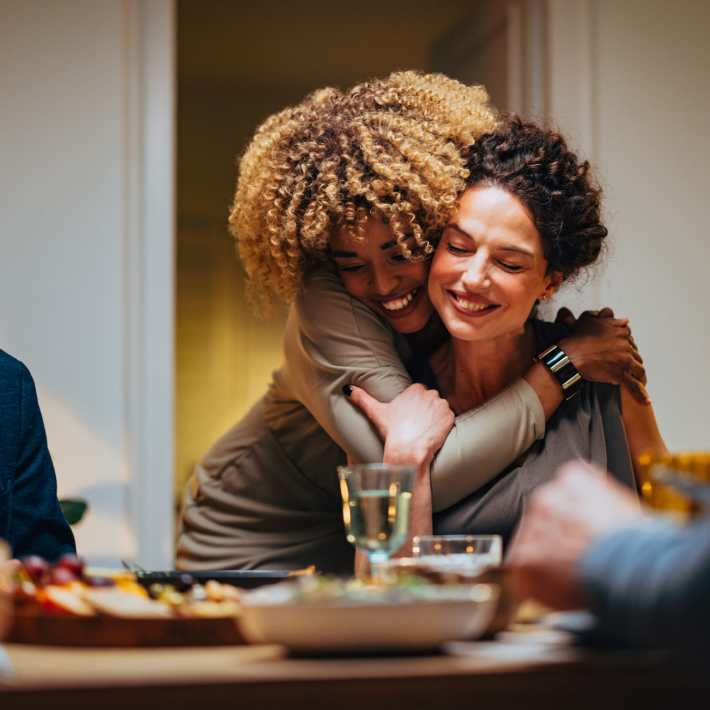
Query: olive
(184, 582)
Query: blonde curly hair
(390, 148)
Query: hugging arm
(642, 431)
(332, 340)
(413, 426)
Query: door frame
(149, 272)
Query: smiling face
(374, 271)
(489, 267)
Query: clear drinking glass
(467, 554)
(376, 507)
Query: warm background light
(88, 292)
(237, 64)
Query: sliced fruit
(118, 602)
(209, 610)
(64, 600)
(96, 581)
(130, 585)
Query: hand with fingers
(413, 425)
(561, 521)
(602, 348)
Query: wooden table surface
(530, 670)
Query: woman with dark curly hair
(528, 220)
(339, 203)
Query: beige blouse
(266, 494)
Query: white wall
(86, 252)
(629, 82)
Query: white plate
(269, 617)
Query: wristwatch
(556, 361)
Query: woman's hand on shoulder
(602, 348)
(413, 425)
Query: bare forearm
(420, 521)
(641, 427)
(421, 515)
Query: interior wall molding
(571, 70)
(149, 281)
(535, 71)
(571, 77)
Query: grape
(36, 567)
(184, 582)
(61, 575)
(72, 563)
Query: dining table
(525, 667)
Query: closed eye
(355, 267)
(510, 267)
(453, 249)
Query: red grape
(62, 575)
(36, 567)
(72, 563)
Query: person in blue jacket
(585, 542)
(31, 520)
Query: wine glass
(676, 484)
(376, 507)
(467, 554)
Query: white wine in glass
(376, 507)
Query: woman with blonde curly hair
(339, 203)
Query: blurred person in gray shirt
(585, 542)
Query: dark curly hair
(536, 166)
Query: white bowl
(419, 624)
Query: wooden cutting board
(111, 631)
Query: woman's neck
(470, 373)
(430, 338)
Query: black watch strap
(556, 361)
